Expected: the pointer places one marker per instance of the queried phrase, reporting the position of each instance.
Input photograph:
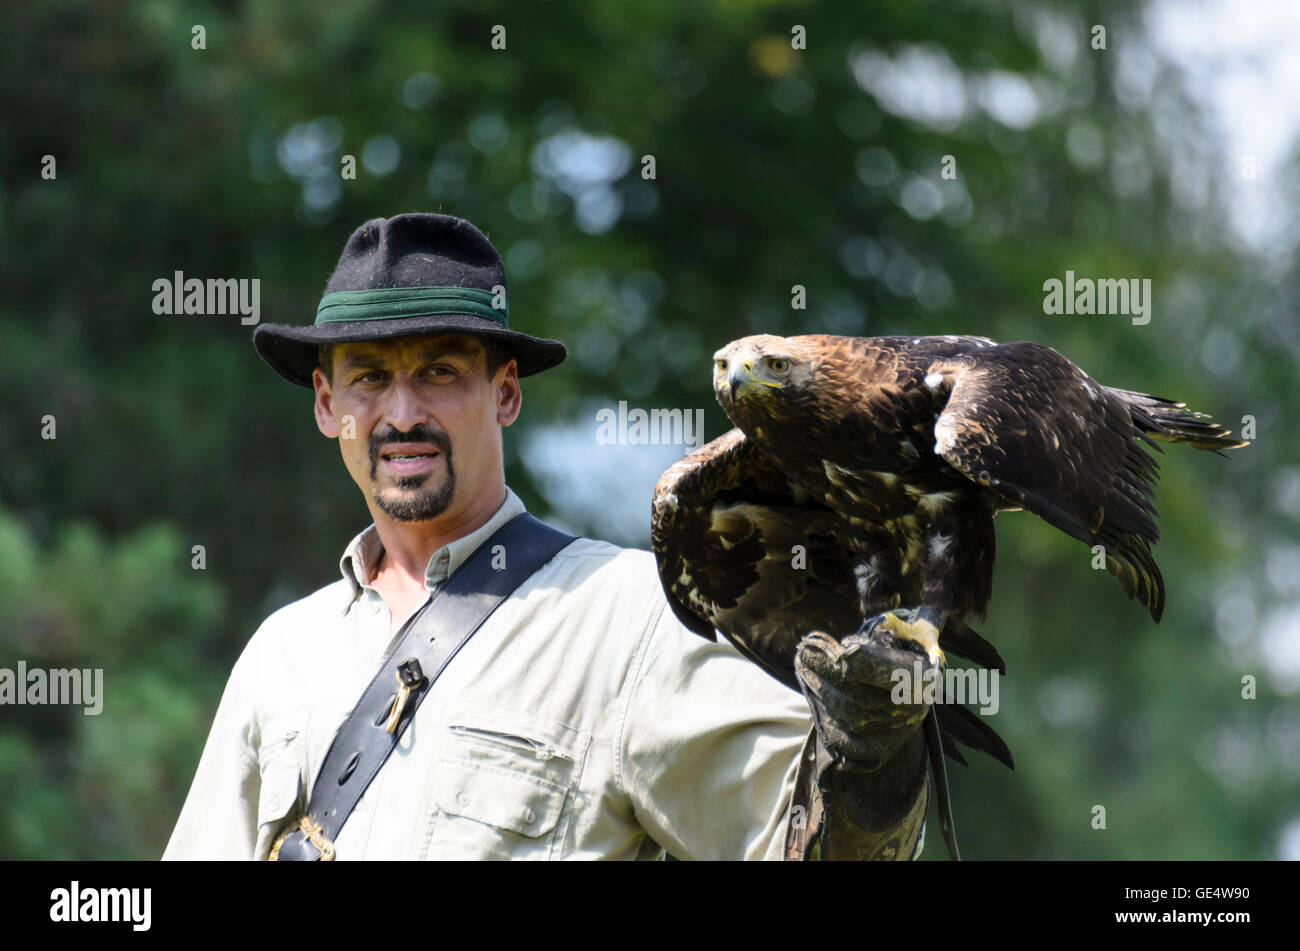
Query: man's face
(424, 436)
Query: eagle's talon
(823, 642)
(920, 632)
(852, 644)
(830, 648)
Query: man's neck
(408, 546)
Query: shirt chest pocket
(503, 787)
(281, 761)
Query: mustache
(417, 433)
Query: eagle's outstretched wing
(740, 551)
(1033, 427)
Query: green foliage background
(774, 167)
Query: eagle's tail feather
(959, 723)
(967, 643)
(954, 753)
(1171, 421)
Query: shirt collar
(363, 552)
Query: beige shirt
(581, 721)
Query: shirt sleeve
(219, 818)
(708, 747)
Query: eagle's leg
(922, 630)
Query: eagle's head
(756, 378)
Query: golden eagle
(862, 479)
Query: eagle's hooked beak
(742, 372)
(742, 378)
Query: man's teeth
(414, 455)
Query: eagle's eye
(720, 365)
(778, 365)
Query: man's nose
(402, 408)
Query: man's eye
(439, 369)
(369, 376)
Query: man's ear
(510, 398)
(324, 405)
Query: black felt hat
(404, 276)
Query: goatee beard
(426, 504)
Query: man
(580, 720)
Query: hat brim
(292, 351)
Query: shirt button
(462, 798)
(373, 607)
(529, 815)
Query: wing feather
(727, 530)
(1026, 422)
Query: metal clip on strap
(409, 678)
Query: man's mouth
(408, 460)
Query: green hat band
(386, 303)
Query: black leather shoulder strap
(428, 641)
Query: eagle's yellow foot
(919, 631)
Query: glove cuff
(840, 810)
